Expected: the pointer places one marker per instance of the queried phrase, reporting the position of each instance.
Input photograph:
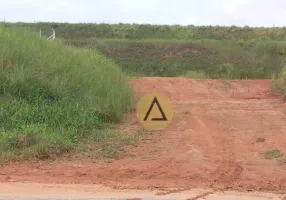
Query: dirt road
(36, 191)
(211, 143)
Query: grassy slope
(52, 97)
(224, 52)
(135, 31)
(157, 50)
(210, 58)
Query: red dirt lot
(211, 143)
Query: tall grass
(51, 96)
(279, 83)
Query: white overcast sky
(183, 12)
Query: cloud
(146, 4)
(203, 12)
(230, 7)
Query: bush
(279, 83)
(55, 92)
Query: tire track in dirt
(229, 170)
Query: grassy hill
(203, 58)
(145, 31)
(191, 51)
(53, 96)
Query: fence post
(54, 34)
(51, 37)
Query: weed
(260, 139)
(278, 83)
(282, 161)
(108, 143)
(225, 71)
(195, 74)
(272, 154)
(21, 141)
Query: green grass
(83, 31)
(260, 139)
(188, 51)
(226, 59)
(195, 74)
(109, 143)
(279, 83)
(52, 97)
(272, 154)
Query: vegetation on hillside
(52, 96)
(279, 83)
(173, 50)
(86, 31)
(213, 58)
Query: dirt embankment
(211, 143)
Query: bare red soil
(211, 143)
